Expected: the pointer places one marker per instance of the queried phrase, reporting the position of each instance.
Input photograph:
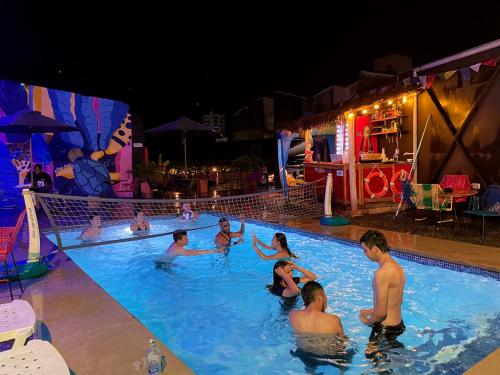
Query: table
(453, 195)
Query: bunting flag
(490, 62)
(449, 74)
(465, 72)
(430, 79)
(423, 80)
(475, 67)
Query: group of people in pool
(139, 225)
(384, 318)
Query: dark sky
(181, 58)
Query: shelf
(391, 132)
(387, 119)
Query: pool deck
(95, 334)
(468, 254)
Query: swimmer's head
(374, 243)
(95, 220)
(139, 215)
(287, 267)
(186, 207)
(224, 225)
(180, 237)
(313, 292)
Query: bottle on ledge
(153, 358)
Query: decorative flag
(423, 80)
(449, 74)
(430, 79)
(465, 72)
(475, 67)
(490, 62)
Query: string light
(376, 106)
(390, 102)
(404, 99)
(350, 115)
(365, 111)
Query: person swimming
(94, 230)
(223, 238)
(278, 244)
(284, 284)
(176, 249)
(139, 224)
(188, 213)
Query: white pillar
(328, 195)
(415, 133)
(352, 163)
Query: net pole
(33, 229)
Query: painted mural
(95, 160)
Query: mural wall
(95, 160)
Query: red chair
(8, 237)
(457, 182)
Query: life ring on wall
(393, 184)
(382, 192)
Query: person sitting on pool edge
(313, 319)
(176, 249)
(284, 284)
(223, 238)
(139, 224)
(94, 230)
(278, 243)
(188, 213)
(388, 286)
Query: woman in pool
(278, 244)
(284, 284)
(94, 230)
(188, 213)
(139, 225)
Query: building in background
(216, 121)
(260, 119)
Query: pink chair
(8, 237)
(457, 182)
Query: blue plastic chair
(487, 206)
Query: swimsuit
(279, 289)
(187, 214)
(390, 333)
(227, 237)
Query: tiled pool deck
(96, 335)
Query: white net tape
(71, 213)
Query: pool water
(215, 313)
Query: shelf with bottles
(386, 115)
(388, 132)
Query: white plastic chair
(17, 321)
(37, 357)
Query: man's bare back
(392, 275)
(303, 321)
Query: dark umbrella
(29, 122)
(184, 126)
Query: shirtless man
(223, 238)
(177, 248)
(313, 318)
(388, 285)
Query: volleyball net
(71, 213)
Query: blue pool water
(215, 313)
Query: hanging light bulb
(404, 99)
(350, 115)
(365, 111)
(376, 106)
(390, 102)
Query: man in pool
(313, 318)
(388, 285)
(177, 249)
(223, 238)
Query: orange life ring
(382, 192)
(393, 184)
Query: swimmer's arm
(291, 288)
(267, 247)
(337, 325)
(264, 256)
(241, 232)
(198, 252)
(309, 276)
(381, 289)
(133, 227)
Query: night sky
(168, 60)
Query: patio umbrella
(30, 122)
(184, 126)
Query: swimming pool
(215, 313)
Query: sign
(137, 144)
(340, 172)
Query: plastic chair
(487, 206)
(37, 357)
(17, 322)
(8, 237)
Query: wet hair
(277, 278)
(375, 238)
(281, 238)
(309, 291)
(94, 215)
(222, 220)
(178, 234)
